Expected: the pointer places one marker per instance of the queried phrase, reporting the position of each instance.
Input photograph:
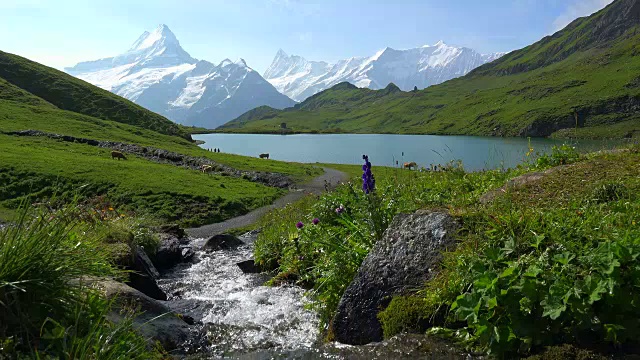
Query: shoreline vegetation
(546, 262)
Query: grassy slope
(588, 68)
(16, 116)
(42, 167)
(69, 93)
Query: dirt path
(315, 186)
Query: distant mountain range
(420, 67)
(161, 76)
(582, 81)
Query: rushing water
(475, 152)
(239, 313)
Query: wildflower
(315, 221)
(299, 225)
(340, 209)
(110, 209)
(121, 215)
(368, 179)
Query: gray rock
(173, 229)
(144, 275)
(249, 267)
(172, 251)
(405, 258)
(155, 321)
(222, 242)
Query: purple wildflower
(368, 179)
(315, 221)
(340, 209)
(299, 225)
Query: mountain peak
(225, 62)
(440, 43)
(281, 54)
(241, 62)
(161, 34)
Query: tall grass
(45, 310)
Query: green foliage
(45, 311)
(556, 264)
(577, 81)
(560, 155)
(549, 262)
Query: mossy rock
(405, 314)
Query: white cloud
(577, 9)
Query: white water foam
(239, 313)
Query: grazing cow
(118, 155)
(409, 165)
(264, 156)
(206, 168)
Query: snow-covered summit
(157, 73)
(424, 66)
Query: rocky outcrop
(169, 157)
(155, 321)
(174, 248)
(222, 242)
(405, 258)
(144, 275)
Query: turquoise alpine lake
(476, 152)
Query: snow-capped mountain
(298, 78)
(159, 75)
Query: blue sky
(62, 33)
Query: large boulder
(405, 258)
(154, 320)
(222, 242)
(144, 275)
(173, 250)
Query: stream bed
(240, 318)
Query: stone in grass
(222, 242)
(405, 258)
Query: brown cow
(264, 156)
(409, 165)
(118, 155)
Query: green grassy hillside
(34, 97)
(40, 167)
(69, 93)
(584, 76)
